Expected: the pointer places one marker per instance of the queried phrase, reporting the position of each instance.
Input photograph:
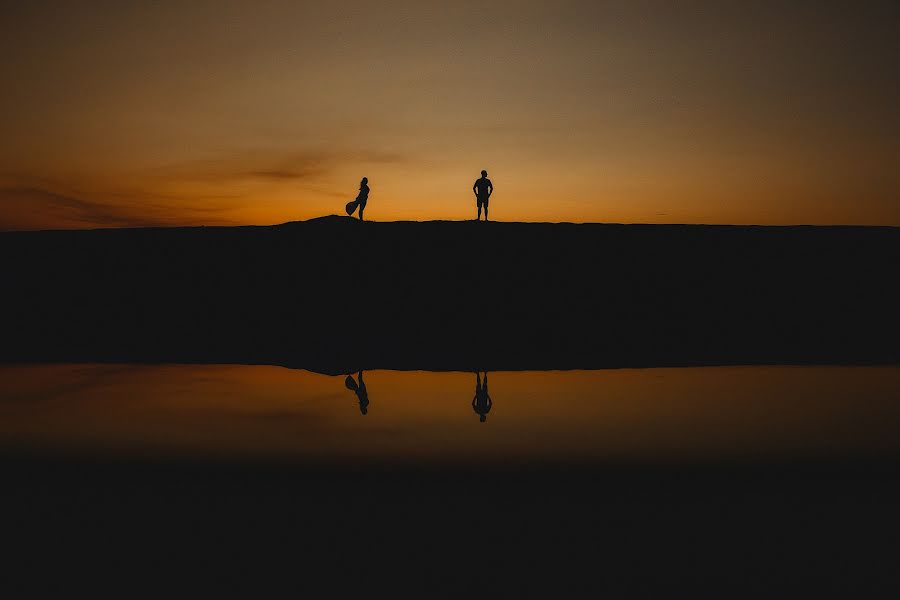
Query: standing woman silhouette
(363, 196)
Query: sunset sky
(215, 112)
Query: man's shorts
(483, 201)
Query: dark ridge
(334, 294)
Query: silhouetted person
(361, 394)
(483, 189)
(481, 403)
(363, 196)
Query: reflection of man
(481, 403)
(483, 189)
(361, 394)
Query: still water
(659, 415)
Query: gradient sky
(215, 112)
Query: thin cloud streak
(272, 165)
(28, 202)
(38, 208)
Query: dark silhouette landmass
(338, 295)
(225, 526)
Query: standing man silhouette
(483, 189)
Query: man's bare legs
(485, 211)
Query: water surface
(657, 415)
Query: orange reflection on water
(612, 415)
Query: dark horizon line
(336, 217)
(337, 369)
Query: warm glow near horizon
(219, 113)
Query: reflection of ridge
(481, 403)
(360, 390)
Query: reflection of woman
(361, 393)
(363, 196)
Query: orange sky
(185, 113)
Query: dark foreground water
(710, 482)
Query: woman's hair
(364, 181)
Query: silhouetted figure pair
(361, 199)
(483, 189)
(481, 403)
(361, 393)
